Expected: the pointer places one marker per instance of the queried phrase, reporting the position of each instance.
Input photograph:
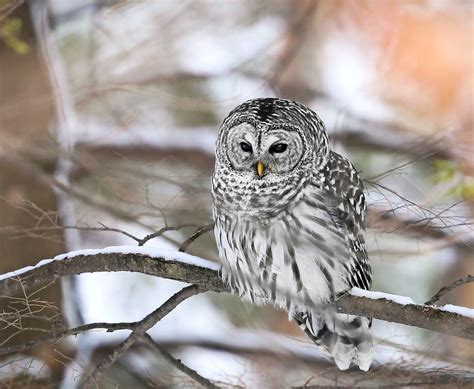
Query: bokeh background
(108, 116)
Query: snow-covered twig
(193, 270)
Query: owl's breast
(299, 252)
(258, 200)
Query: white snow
(402, 300)
(18, 272)
(154, 252)
(166, 254)
(469, 312)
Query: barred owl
(289, 214)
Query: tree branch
(200, 231)
(448, 288)
(140, 330)
(177, 363)
(186, 268)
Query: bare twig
(177, 363)
(127, 234)
(20, 232)
(290, 351)
(389, 221)
(200, 231)
(161, 231)
(141, 328)
(57, 335)
(448, 288)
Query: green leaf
(10, 32)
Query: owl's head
(270, 137)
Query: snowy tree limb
(186, 268)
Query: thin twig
(127, 234)
(140, 329)
(448, 288)
(161, 231)
(177, 363)
(200, 231)
(57, 335)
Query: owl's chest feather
(288, 255)
(263, 200)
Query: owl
(289, 215)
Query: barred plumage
(289, 215)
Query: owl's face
(265, 151)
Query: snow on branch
(458, 321)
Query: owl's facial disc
(270, 151)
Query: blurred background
(109, 111)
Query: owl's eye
(278, 148)
(246, 147)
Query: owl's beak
(260, 168)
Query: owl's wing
(339, 195)
(342, 185)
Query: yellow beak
(260, 168)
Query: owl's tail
(346, 338)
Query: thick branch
(189, 269)
(417, 315)
(98, 261)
